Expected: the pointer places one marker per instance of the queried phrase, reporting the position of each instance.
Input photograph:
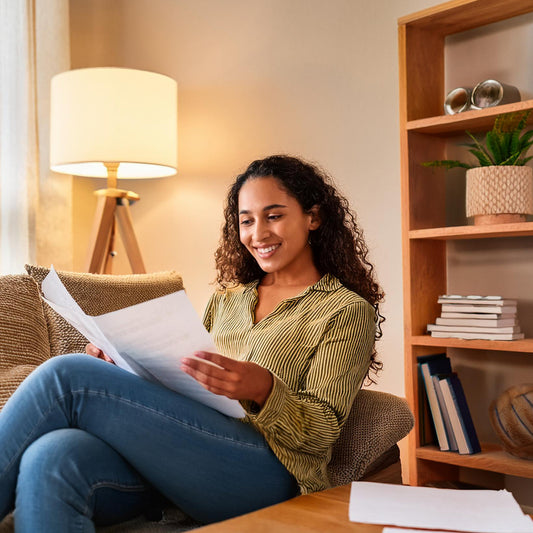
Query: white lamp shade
(113, 115)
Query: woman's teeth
(267, 250)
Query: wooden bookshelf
(424, 134)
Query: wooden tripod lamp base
(113, 208)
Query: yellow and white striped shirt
(318, 346)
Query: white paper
(403, 530)
(479, 511)
(148, 339)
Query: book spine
(453, 411)
(478, 336)
(445, 415)
(450, 308)
(464, 412)
(474, 329)
(427, 432)
(427, 429)
(478, 322)
(446, 314)
(434, 408)
(476, 301)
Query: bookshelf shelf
(522, 229)
(425, 134)
(522, 346)
(491, 458)
(476, 120)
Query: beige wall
(308, 77)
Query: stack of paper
(479, 511)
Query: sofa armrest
(23, 334)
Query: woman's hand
(91, 349)
(238, 380)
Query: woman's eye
(245, 222)
(273, 217)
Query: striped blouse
(317, 345)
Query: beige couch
(31, 332)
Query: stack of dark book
(477, 317)
(447, 403)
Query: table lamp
(113, 123)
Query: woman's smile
(267, 251)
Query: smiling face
(275, 229)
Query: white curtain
(35, 204)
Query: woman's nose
(261, 231)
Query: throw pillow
(23, 332)
(98, 294)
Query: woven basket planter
(499, 194)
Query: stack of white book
(477, 317)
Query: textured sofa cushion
(97, 294)
(377, 421)
(23, 332)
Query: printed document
(427, 508)
(148, 339)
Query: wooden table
(323, 512)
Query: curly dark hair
(338, 244)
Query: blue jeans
(85, 442)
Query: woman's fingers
(218, 360)
(93, 350)
(239, 380)
(207, 373)
(106, 357)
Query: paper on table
(403, 530)
(479, 511)
(148, 339)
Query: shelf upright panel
(421, 56)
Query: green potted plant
(499, 188)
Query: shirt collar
(327, 283)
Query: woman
(85, 442)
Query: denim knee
(59, 374)
(55, 369)
(68, 478)
(50, 469)
(65, 365)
